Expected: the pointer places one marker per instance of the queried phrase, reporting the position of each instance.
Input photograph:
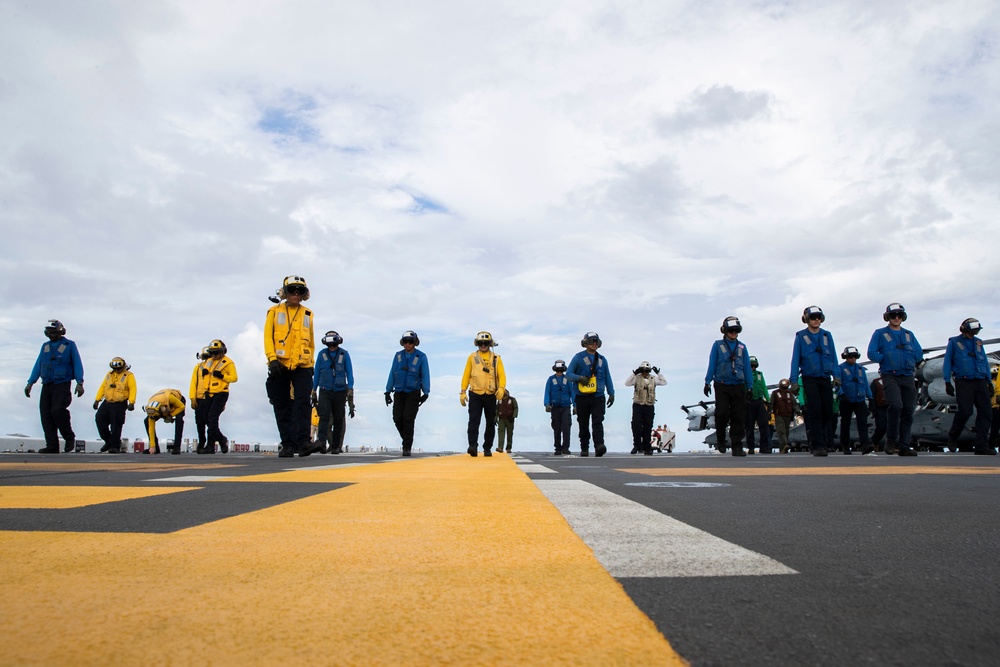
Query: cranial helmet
(484, 337)
(157, 409)
(55, 328)
(204, 354)
(812, 311)
(590, 337)
(292, 283)
(731, 323)
(409, 337)
(559, 366)
(753, 362)
(118, 364)
(784, 384)
(971, 326)
(216, 347)
(850, 351)
(894, 308)
(332, 339)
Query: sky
(535, 169)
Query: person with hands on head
(590, 371)
(289, 342)
(644, 384)
(210, 382)
(967, 377)
(333, 388)
(898, 354)
(558, 400)
(408, 386)
(854, 393)
(168, 405)
(814, 358)
(118, 394)
(483, 383)
(57, 365)
(730, 375)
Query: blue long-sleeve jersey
(58, 361)
(333, 370)
(410, 372)
(814, 355)
(729, 363)
(965, 359)
(559, 391)
(579, 371)
(896, 351)
(854, 383)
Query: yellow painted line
(64, 497)
(119, 467)
(443, 561)
(756, 472)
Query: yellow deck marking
(120, 467)
(64, 497)
(444, 561)
(754, 472)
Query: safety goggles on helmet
(216, 347)
(590, 338)
(559, 366)
(784, 384)
(850, 352)
(813, 313)
(295, 285)
(753, 362)
(894, 310)
(332, 338)
(484, 338)
(409, 337)
(732, 325)
(971, 326)
(645, 367)
(54, 327)
(117, 364)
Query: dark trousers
(757, 416)
(731, 412)
(859, 411)
(995, 428)
(53, 407)
(200, 414)
(110, 420)
(590, 410)
(330, 407)
(819, 411)
(971, 394)
(293, 416)
(505, 433)
(561, 423)
(404, 415)
(178, 432)
(881, 415)
(215, 405)
(480, 404)
(901, 395)
(642, 427)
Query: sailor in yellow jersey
(210, 382)
(485, 381)
(289, 344)
(118, 393)
(168, 405)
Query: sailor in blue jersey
(898, 353)
(57, 365)
(589, 370)
(966, 364)
(559, 394)
(408, 386)
(730, 374)
(814, 358)
(333, 388)
(854, 395)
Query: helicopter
(931, 420)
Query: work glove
(949, 388)
(794, 387)
(548, 408)
(501, 392)
(350, 403)
(836, 382)
(656, 370)
(424, 397)
(131, 406)
(274, 367)
(388, 398)
(218, 374)
(463, 399)
(707, 390)
(574, 411)
(611, 400)
(27, 390)
(79, 389)
(96, 404)
(194, 403)
(313, 400)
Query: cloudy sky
(536, 169)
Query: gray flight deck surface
(846, 560)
